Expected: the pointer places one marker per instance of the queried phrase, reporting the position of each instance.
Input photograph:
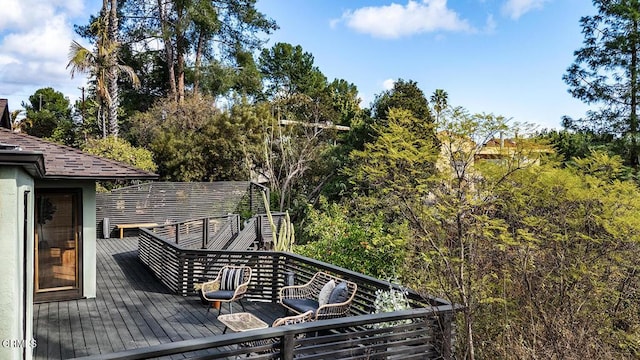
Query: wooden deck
(132, 310)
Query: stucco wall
(14, 182)
(88, 229)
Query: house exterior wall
(88, 228)
(16, 304)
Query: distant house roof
(511, 143)
(5, 115)
(63, 162)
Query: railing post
(183, 276)
(259, 231)
(275, 291)
(251, 198)
(287, 346)
(444, 326)
(205, 232)
(177, 233)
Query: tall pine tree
(605, 73)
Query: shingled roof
(63, 162)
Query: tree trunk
(113, 69)
(114, 103)
(180, 72)
(168, 50)
(633, 123)
(199, 51)
(181, 49)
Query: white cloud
(516, 8)
(388, 84)
(34, 37)
(20, 15)
(490, 25)
(49, 41)
(395, 20)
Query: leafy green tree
(345, 102)
(197, 142)
(151, 71)
(289, 70)
(343, 109)
(49, 116)
(399, 159)
(244, 80)
(304, 101)
(303, 149)
(365, 243)
(435, 187)
(118, 149)
(404, 95)
(605, 72)
(449, 217)
(570, 144)
(488, 235)
(195, 34)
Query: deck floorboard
(132, 310)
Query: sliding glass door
(58, 237)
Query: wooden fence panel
(171, 202)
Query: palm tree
(439, 101)
(103, 64)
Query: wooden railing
(353, 337)
(212, 232)
(181, 268)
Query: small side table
(242, 321)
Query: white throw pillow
(323, 297)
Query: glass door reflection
(57, 241)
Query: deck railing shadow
(430, 332)
(130, 270)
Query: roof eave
(101, 177)
(31, 161)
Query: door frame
(62, 293)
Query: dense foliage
(536, 237)
(49, 116)
(605, 73)
(120, 150)
(558, 269)
(366, 243)
(197, 142)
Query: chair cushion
(323, 297)
(220, 294)
(301, 305)
(339, 294)
(231, 279)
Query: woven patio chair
(302, 298)
(230, 285)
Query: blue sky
(505, 57)
(494, 56)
